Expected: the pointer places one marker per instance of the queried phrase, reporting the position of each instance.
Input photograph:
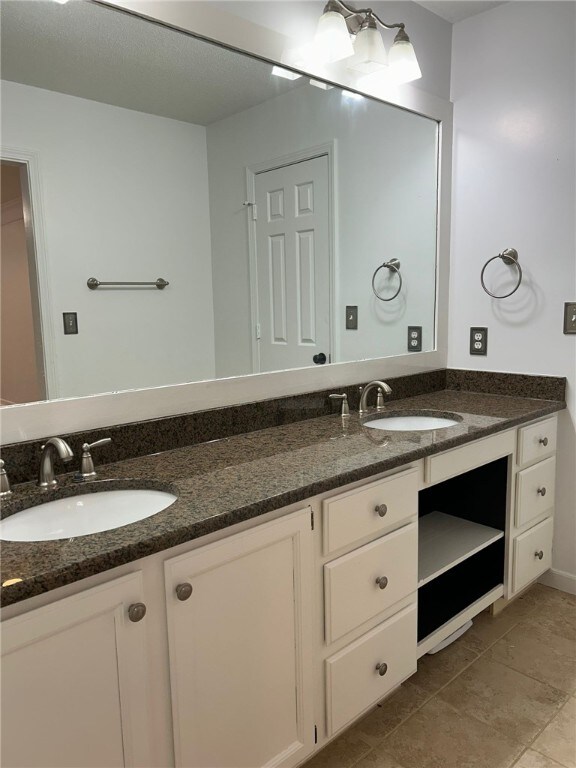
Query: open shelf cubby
(461, 543)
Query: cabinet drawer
(536, 441)
(353, 682)
(352, 516)
(352, 593)
(528, 547)
(535, 491)
(459, 460)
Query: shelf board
(445, 540)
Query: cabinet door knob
(382, 668)
(183, 591)
(541, 491)
(381, 509)
(539, 555)
(382, 582)
(543, 441)
(136, 612)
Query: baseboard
(559, 580)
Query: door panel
(293, 264)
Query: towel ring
(394, 265)
(509, 256)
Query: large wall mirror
(295, 223)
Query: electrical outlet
(351, 318)
(414, 338)
(570, 317)
(478, 341)
(70, 323)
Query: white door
(74, 682)
(239, 629)
(293, 265)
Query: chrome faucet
(382, 389)
(46, 479)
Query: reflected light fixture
(351, 36)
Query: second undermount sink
(410, 422)
(83, 514)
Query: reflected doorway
(292, 260)
(22, 378)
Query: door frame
(37, 262)
(329, 150)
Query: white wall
(513, 87)
(124, 197)
(385, 196)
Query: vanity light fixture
(351, 37)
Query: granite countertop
(237, 478)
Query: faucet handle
(87, 463)
(5, 489)
(344, 397)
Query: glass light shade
(285, 73)
(402, 62)
(332, 40)
(369, 52)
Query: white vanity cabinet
(369, 595)
(240, 647)
(532, 523)
(265, 641)
(74, 681)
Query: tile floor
(502, 695)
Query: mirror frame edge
(29, 421)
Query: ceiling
(86, 50)
(457, 10)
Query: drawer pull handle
(136, 612)
(381, 509)
(382, 582)
(543, 441)
(382, 668)
(539, 555)
(183, 591)
(541, 491)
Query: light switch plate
(570, 317)
(351, 318)
(478, 341)
(70, 323)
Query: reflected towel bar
(92, 283)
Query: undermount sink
(84, 514)
(413, 422)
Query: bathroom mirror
(275, 209)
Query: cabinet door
(240, 648)
(74, 687)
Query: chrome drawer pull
(541, 491)
(183, 591)
(382, 582)
(381, 509)
(136, 612)
(382, 669)
(539, 555)
(543, 441)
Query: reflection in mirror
(267, 204)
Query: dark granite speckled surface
(130, 440)
(240, 477)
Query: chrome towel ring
(509, 256)
(393, 265)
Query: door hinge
(258, 331)
(312, 520)
(315, 734)
(253, 207)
